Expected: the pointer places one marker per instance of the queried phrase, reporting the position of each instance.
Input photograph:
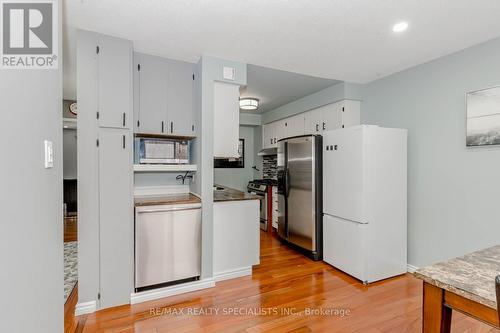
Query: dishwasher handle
(167, 208)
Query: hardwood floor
(284, 281)
(70, 229)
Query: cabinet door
(180, 98)
(294, 125)
(267, 135)
(114, 82)
(115, 216)
(312, 120)
(279, 131)
(226, 119)
(331, 116)
(152, 85)
(351, 113)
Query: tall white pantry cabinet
(105, 175)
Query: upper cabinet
(342, 114)
(150, 92)
(294, 126)
(180, 95)
(114, 68)
(333, 116)
(163, 96)
(313, 121)
(226, 120)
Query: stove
(261, 187)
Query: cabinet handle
(123, 139)
(323, 126)
(317, 128)
(162, 126)
(171, 127)
(123, 119)
(271, 141)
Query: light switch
(49, 154)
(228, 73)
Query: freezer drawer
(167, 244)
(344, 244)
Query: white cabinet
(226, 119)
(351, 113)
(114, 81)
(115, 216)
(180, 106)
(268, 131)
(312, 121)
(236, 238)
(333, 116)
(163, 96)
(105, 206)
(150, 94)
(294, 126)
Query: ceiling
(275, 88)
(348, 40)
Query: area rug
(70, 267)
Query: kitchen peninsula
(236, 233)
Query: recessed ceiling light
(249, 103)
(400, 27)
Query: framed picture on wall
(483, 117)
(233, 162)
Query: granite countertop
(471, 276)
(230, 194)
(171, 199)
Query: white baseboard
(411, 268)
(232, 274)
(85, 308)
(150, 295)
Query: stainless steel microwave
(161, 151)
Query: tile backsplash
(269, 166)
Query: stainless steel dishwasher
(167, 244)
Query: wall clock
(73, 108)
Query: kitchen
(271, 166)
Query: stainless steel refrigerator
(300, 203)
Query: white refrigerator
(364, 201)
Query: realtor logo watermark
(29, 34)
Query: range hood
(268, 151)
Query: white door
(115, 216)
(344, 245)
(153, 86)
(332, 116)
(279, 131)
(114, 82)
(294, 125)
(350, 113)
(226, 119)
(267, 135)
(343, 174)
(180, 98)
(312, 121)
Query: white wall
(238, 178)
(453, 191)
(31, 240)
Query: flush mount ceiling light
(400, 27)
(249, 103)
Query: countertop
(230, 194)
(171, 199)
(471, 276)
